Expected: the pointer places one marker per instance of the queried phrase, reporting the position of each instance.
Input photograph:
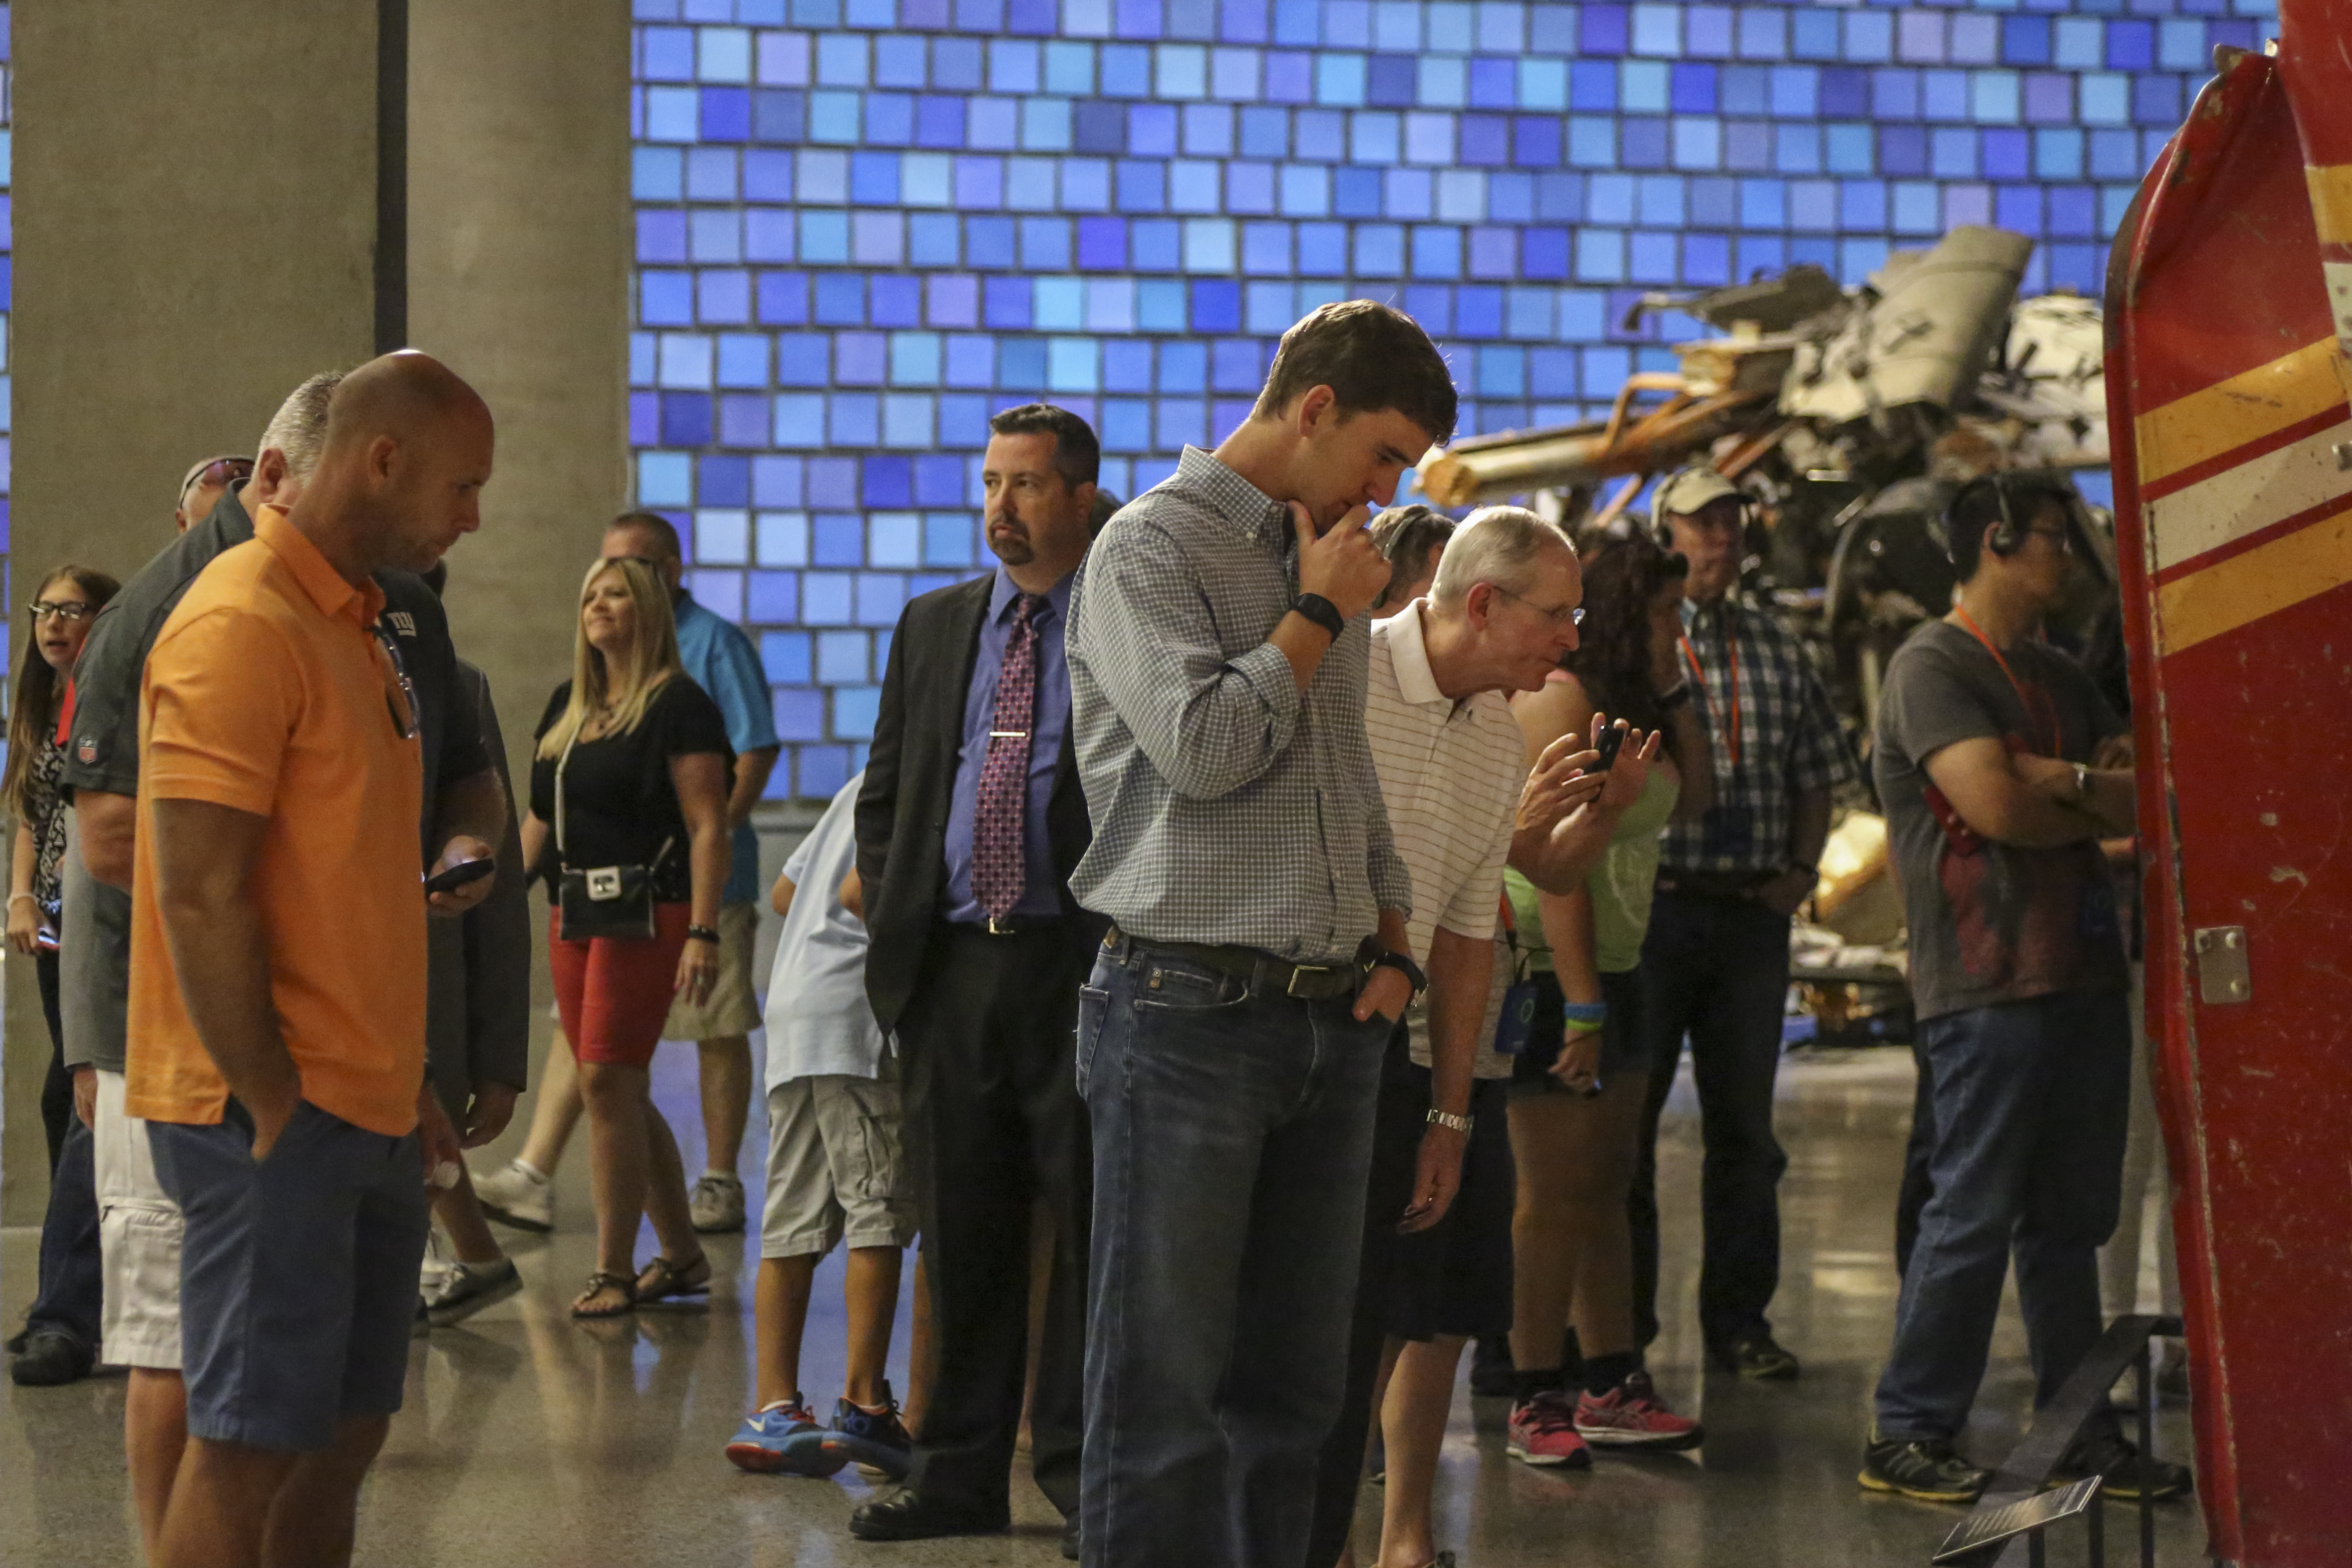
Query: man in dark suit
(967, 828)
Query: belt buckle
(1000, 925)
(1299, 969)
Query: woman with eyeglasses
(1576, 1090)
(61, 613)
(628, 821)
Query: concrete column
(196, 219)
(518, 252)
(196, 222)
(519, 277)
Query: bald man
(276, 870)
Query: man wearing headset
(2001, 767)
(1715, 965)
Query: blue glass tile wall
(864, 226)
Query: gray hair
(299, 428)
(1497, 544)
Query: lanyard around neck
(1730, 729)
(2033, 716)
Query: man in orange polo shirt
(279, 973)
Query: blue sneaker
(875, 1439)
(773, 1442)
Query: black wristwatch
(1371, 955)
(1322, 612)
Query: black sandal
(662, 1283)
(598, 1283)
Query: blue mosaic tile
(863, 225)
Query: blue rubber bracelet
(1585, 1012)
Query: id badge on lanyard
(1729, 830)
(1517, 1023)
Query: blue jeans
(1233, 1136)
(71, 1273)
(2031, 1099)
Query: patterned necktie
(1000, 862)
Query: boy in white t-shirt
(834, 1161)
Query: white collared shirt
(1450, 773)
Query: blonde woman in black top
(640, 755)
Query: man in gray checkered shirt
(1230, 1038)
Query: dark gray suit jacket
(902, 811)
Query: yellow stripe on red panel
(2216, 420)
(2263, 580)
(2331, 202)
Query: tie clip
(1008, 734)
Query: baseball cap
(1693, 488)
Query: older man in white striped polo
(1499, 616)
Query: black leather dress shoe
(1757, 1355)
(911, 1516)
(48, 1359)
(1070, 1538)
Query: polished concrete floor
(533, 1441)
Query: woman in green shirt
(1578, 1091)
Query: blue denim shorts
(298, 1275)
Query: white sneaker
(438, 1265)
(518, 1196)
(469, 1288)
(715, 1204)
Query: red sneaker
(1543, 1432)
(1632, 1416)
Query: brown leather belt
(1265, 974)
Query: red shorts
(614, 993)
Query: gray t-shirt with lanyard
(1991, 922)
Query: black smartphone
(1606, 744)
(457, 876)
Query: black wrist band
(702, 933)
(1322, 612)
(1371, 955)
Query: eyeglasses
(68, 611)
(2063, 538)
(1558, 617)
(399, 694)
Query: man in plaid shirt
(1715, 962)
(1229, 1038)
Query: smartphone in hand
(459, 875)
(1607, 743)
